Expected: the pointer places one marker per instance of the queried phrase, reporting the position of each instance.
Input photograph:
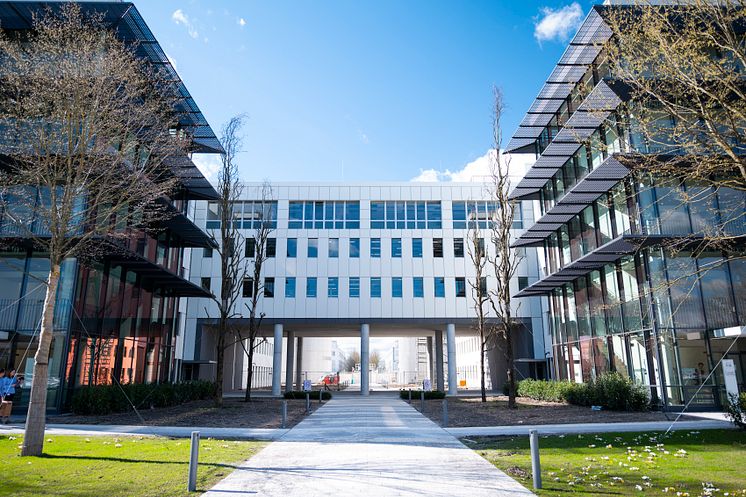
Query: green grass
(107, 466)
(688, 463)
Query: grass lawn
(115, 466)
(687, 463)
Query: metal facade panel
(545, 106)
(561, 149)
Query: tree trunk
(219, 365)
(511, 367)
(250, 371)
(33, 439)
(481, 363)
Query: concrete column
(364, 359)
(299, 365)
(451, 346)
(277, 362)
(289, 362)
(439, 361)
(431, 361)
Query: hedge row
(107, 399)
(610, 391)
(313, 394)
(429, 394)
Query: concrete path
(160, 431)
(376, 446)
(560, 429)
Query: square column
(277, 362)
(289, 361)
(451, 346)
(364, 359)
(439, 380)
(299, 365)
(431, 361)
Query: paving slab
(375, 446)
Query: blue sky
(362, 90)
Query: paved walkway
(367, 446)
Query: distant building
(361, 260)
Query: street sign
(306, 385)
(427, 385)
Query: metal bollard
(410, 396)
(422, 401)
(193, 460)
(445, 413)
(535, 462)
(308, 402)
(284, 414)
(321, 396)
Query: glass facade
(405, 215)
(325, 214)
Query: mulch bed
(259, 413)
(470, 411)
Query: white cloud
(180, 18)
(558, 24)
(479, 169)
(241, 21)
(208, 164)
(172, 61)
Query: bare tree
(352, 360)
(479, 294)
(251, 340)
(505, 260)
(233, 267)
(86, 131)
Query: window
(396, 287)
(440, 286)
(405, 215)
(396, 247)
(326, 214)
(375, 288)
(290, 287)
(354, 287)
(355, 247)
(205, 283)
(483, 285)
(311, 287)
(313, 247)
(418, 287)
(334, 247)
(292, 247)
(416, 247)
(437, 247)
(375, 247)
(522, 282)
(250, 248)
(248, 288)
(213, 216)
(207, 252)
(254, 214)
(269, 287)
(458, 247)
(271, 247)
(460, 287)
(333, 287)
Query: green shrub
(313, 394)
(550, 391)
(736, 410)
(429, 394)
(610, 391)
(106, 399)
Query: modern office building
(362, 260)
(619, 299)
(117, 318)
